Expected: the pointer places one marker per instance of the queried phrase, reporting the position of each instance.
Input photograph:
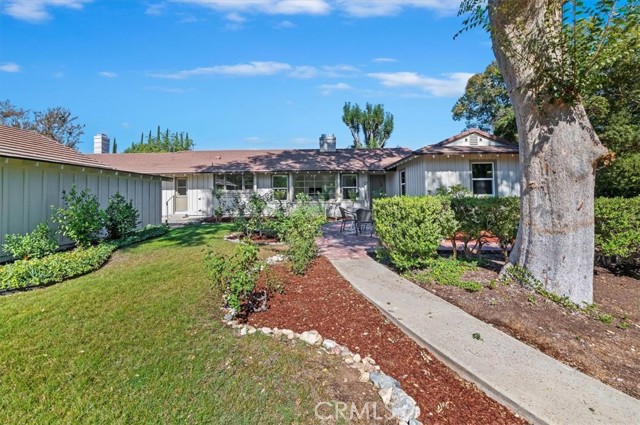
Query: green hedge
(411, 228)
(65, 265)
(617, 228)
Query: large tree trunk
(558, 153)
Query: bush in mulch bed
(324, 301)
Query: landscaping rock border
(402, 406)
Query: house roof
(274, 160)
(26, 144)
(443, 147)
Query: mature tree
(163, 142)
(486, 104)
(547, 51)
(56, 123)
(376, 125)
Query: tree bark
(558, 153)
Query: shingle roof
(25, 144)
(443, 148)
(255, 160)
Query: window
(403, 182)
(349, 184)
(280, 185)
(314, 185)
(233, 181)
(482, 178)
(181, 186)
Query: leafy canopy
(56, 123)
(376, 124)
(163, 141)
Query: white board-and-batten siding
(426, 173)
(28, 190)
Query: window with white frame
(349, 185)
(482, 178)
(403, 182)
(314, 184)
(280, 186)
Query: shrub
(469, 212)
(617, 228)
(235, 275)
(60, 266)
(503, 218)
(81, 220)
(621, 178)
(37, 244)
(300, 230)
(121, 217)
(411, 228)
(449, 272)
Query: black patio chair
(346, 217)
(363, 217)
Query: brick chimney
(101, 143)
(327, 143)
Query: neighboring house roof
(275, 160)
(25, 144)
(446, 147)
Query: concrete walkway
(536, 386)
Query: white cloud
(272, 7)
(10, 67)
(155, 9)
(383, 60)
(250, 69)
(284, 25)
(235, 17)
(37, 10)
(107, 74)
(357, 8)
(327, 89)
(451, 86)
(369, 8)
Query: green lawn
(139, 341)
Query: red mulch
(324, 301)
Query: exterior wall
(426, 173)
(28, 189)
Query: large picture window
(234, 182)
(314, 185)
(280, 185)
(349, 185)
(482, 178)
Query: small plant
(272, 282)
(477, 336)
(121, 217)
(235, 275)
(300, 233)
(81, 219)
(605, 318)
(532, 299)
(443, 271)
(37, 244)
(623, 325)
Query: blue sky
(240, 74)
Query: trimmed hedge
(411, 228)
(65, 265)
(617, 229)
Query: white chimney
(327, 143)
(101, 143)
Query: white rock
(251, 330)
(357, 358)
(369, 360)
(287, 332)
(349, 360)
(311, 337)
(329, 344)
(385, 395)
(277, 333)
(266, 330)
(364, 377)
(243, 331)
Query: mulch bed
(604, 351)
(324, 301)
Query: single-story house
(352, 177)
(34, 170)
(475, 159)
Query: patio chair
(346, 217)
(363, 217)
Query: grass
(139, 341)
(445, 271)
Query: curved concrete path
(536, 386)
